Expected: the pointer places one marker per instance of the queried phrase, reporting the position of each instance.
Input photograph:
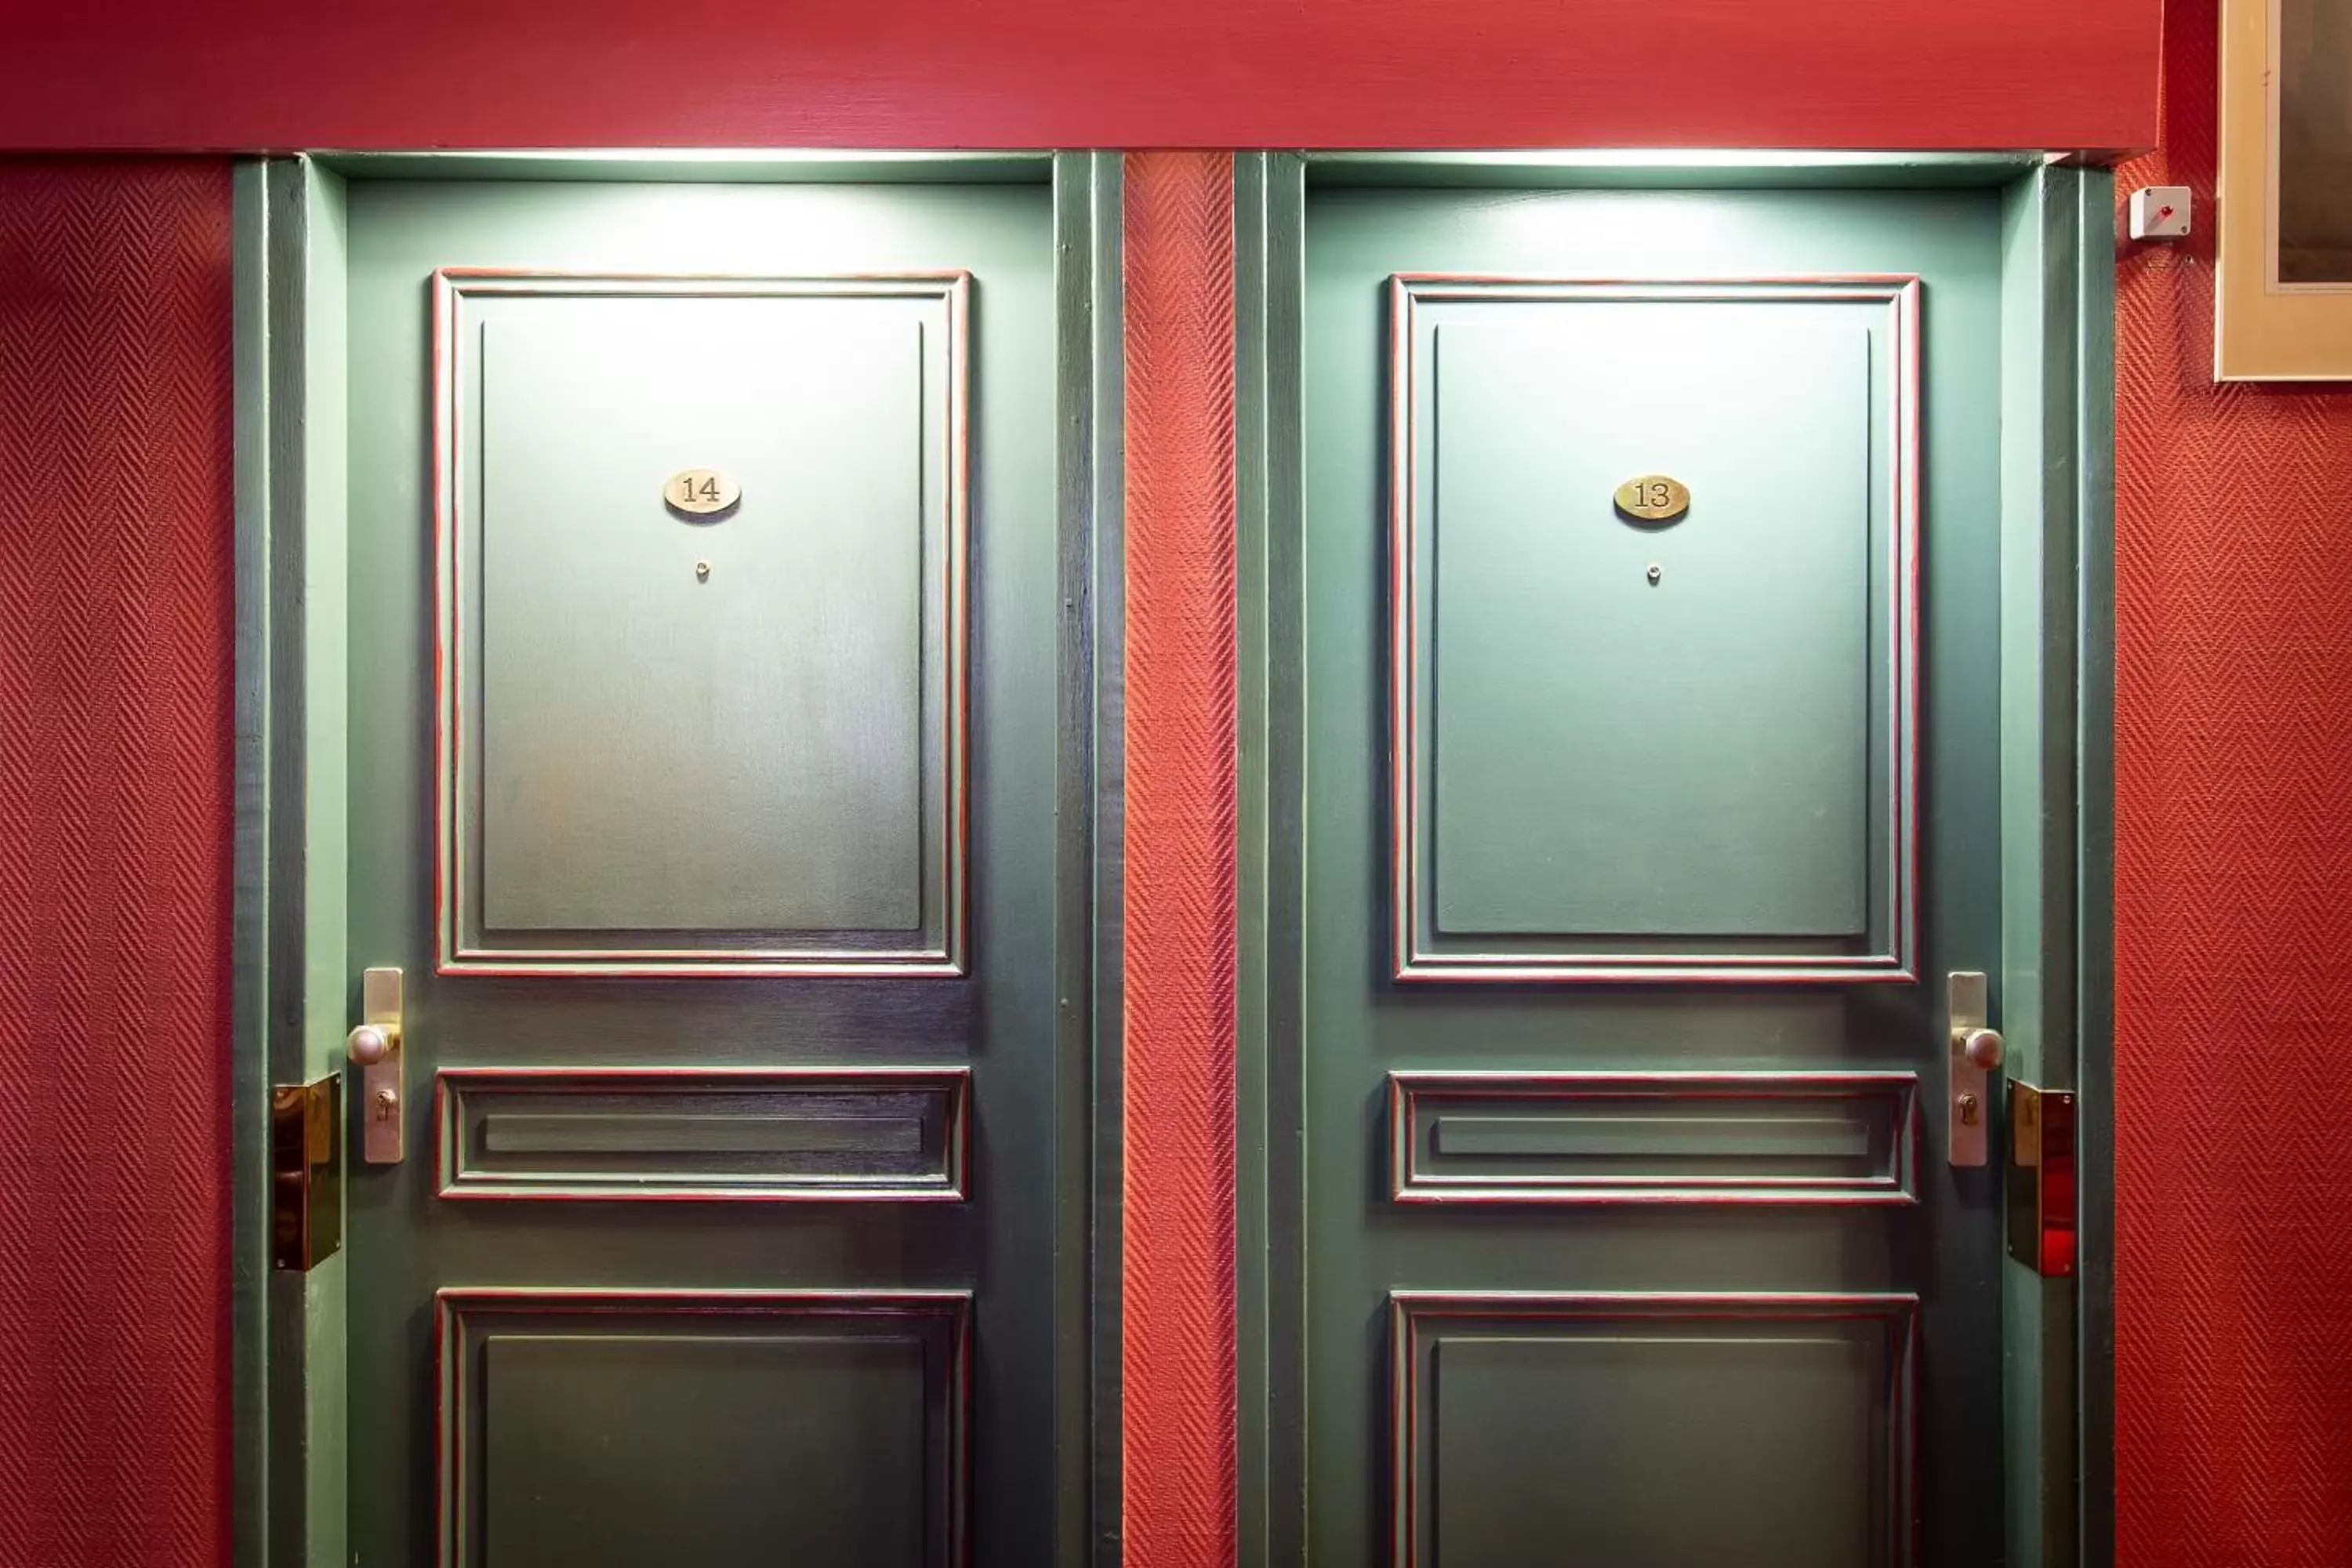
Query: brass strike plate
(306, 1173)
(2041, 1178)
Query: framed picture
(2283, 302)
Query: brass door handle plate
(1974, 1055)
(374, 1048)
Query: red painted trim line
(1415, 956)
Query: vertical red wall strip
(1177, 1350)
(115, 741)
(2233, 1356)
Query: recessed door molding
(582, 1337)
(1428, 1329)
(1885, 827)
(1692, 1138)
(796, 1134)
(470, 305)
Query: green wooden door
(1634, 852)
(719, 849)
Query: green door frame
(291, 990)
(2057, 677)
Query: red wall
(1178, 1278)
(1079, 73)
(2233, 907)
(2234, 722)
(115, 713)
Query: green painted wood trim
(2033, 991)
(1251, 602)
(1088, 193)
(288, 1337)
(2055, 989)
(1647, 169)
(248, 920)
(1269, 208)
(2094, 875)
(744, 167)
(321, 1006)
(2036, 527)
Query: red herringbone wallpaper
(115, 746)
(1176, 1349)
(2233, 1361)
(2234, 866)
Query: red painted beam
(1059, 73)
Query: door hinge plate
(2041, 1178)
(306, 1172)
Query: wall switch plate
(2160, 212)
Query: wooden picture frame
(2282, 294)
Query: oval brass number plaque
(698, 493)
(1654, 498)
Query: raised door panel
(1770, 1432)
(678, 739)
(743, 1134)
(1632, 747)
(1772, 1138)
(723, 1429)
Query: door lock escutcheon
(375, 1049)
(1975, 1054)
